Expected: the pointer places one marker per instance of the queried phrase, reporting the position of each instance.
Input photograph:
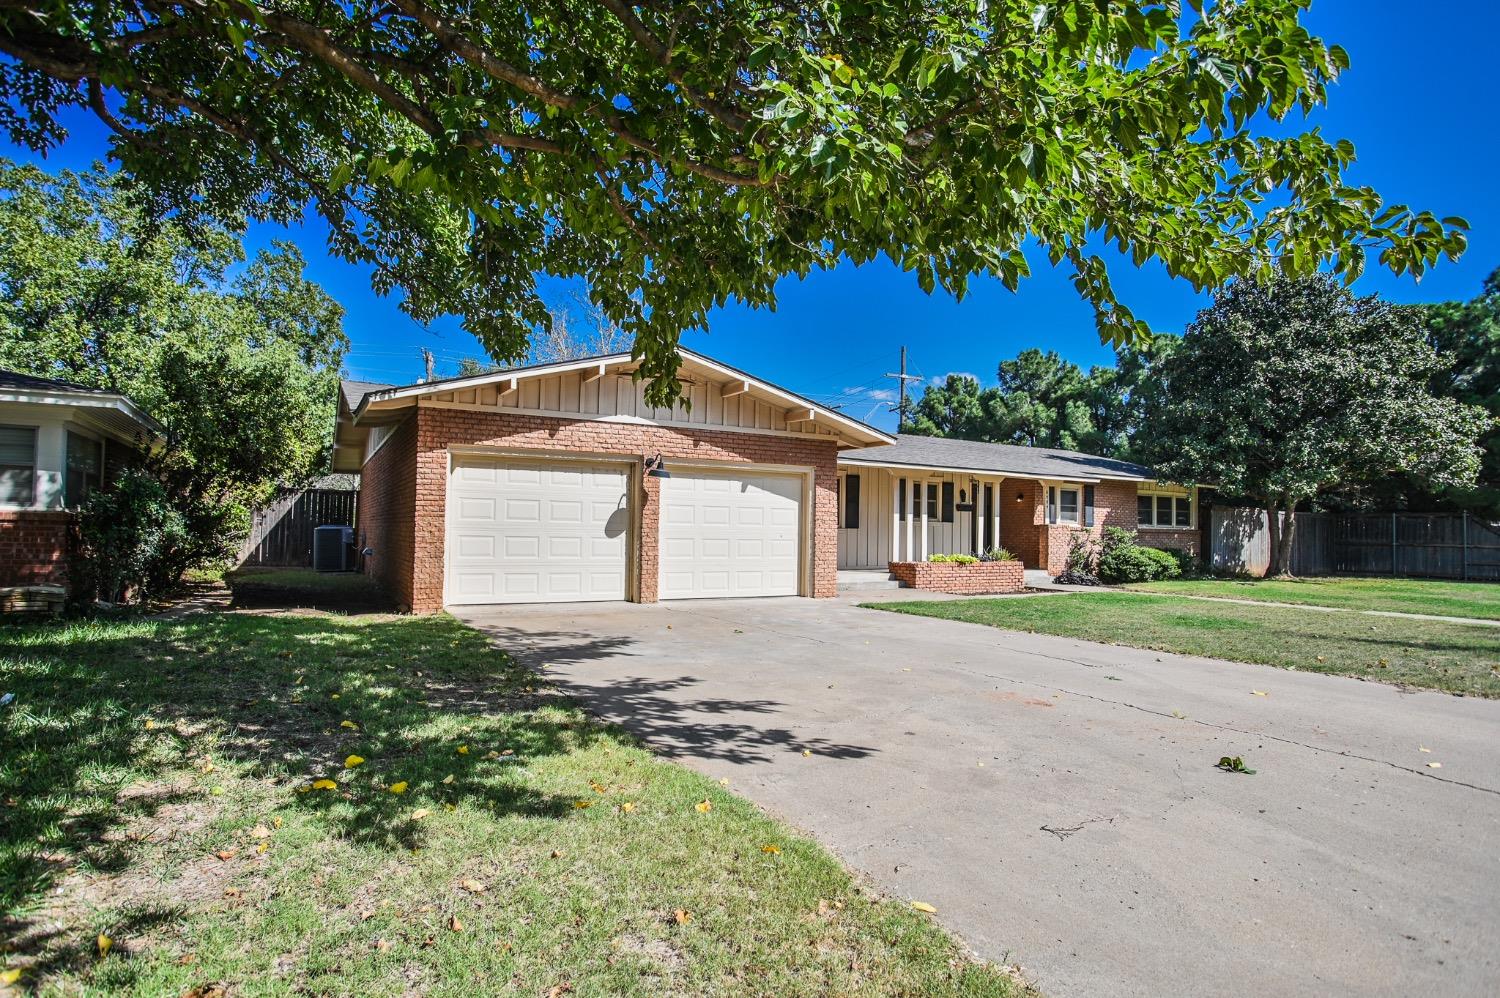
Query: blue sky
(1418, 103)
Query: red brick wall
(1025, 531)
(386, 518)
(437, 429)
(1021, 522)
(966, 580)
(1187, 540)
(34, 547)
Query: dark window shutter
(1051, 504)
(1088, 505)
(901, 500)
(947, 502)
(989, 519)
(851, 502)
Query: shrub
(953, 559)
(1082, 558)
(997, 554)
(1122, 560)
(131, 540)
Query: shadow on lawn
(267, 697)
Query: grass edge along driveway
(1438, 655)
(386, 805)
(1479, 600)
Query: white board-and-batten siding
(869, 544)
(574, 393)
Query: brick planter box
(981, 578)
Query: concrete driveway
(1057, 801)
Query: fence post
(1465, 561)
(1393, 545)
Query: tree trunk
(1283, 555)
(1273, 530)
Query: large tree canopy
(240, 370)
(1283, 391)
(678, 155)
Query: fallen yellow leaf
(472, 886)
(206, 768)
(275, 822)
(104, 943)
(923, 906)
(1423, 748)
(324, 785)
(769, 848)
(398, 788)
(598, 788)
(262, 847)
(806, 753)
(724, 782)
(581, 804)
(420, 813)
(1434, 765)
(463, 750)
(349, 724)
(354, 760)
(703, 806)
(492, 754)
(681, 916)
(334, 697)
(448, 779)
(226, 854)
(627, 807)
(1259, 693)
(10, 976)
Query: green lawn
(1457, 658)
(265, 586)
(155, 788)
(1447, 599)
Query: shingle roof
(355, 391)
(30, 382)
(974, 455)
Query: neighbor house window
(1161, 510)
(932, 500)
(85, 469)
(947, 502)
(17, 465)
(1067, 505)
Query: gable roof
(116, 411)
(355, 391)
(375, 396)
(947, 454)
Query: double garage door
(539, 531)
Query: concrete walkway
(1057, 800)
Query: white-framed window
(85, 469)
(17, 466)
(849, 502)
(1163, 510)
(1067, 505)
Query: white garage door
(536, 531)
(729, 534)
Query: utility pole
(902, 379)
(427, 365)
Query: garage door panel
(531, 530)
(729, 534)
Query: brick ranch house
(558, 483)
(58, 442)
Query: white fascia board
(480, 380)
(83, 400)
(954, 469)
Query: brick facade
(387, 513)
(34, 547)
(403, 491)
(1025, 531)
(964, 580)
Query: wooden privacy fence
(282, 533)
(1429, 545)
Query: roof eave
(85, 400)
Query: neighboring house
(58, 442)
(537, 485)
(933, 495)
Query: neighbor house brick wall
(440, 428)
(34, 546)
(1021, 523)
(386, 518)
(963, 580)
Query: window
(947, 502)
(1155, 509)
(17, 465)
(1067, 505)
(901, 500)
(851, 502)
(85, 469)
(932, 501)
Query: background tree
(1282, 391)
(1466, 336)
(676, 156)
(240, 370)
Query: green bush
(997, 554)
(1122, 560)
(132, 541)
(953, 559)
